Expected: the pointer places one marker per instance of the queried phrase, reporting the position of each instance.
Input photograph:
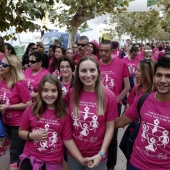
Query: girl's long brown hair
(78, 87)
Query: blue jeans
(131, 167)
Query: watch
(102, 154)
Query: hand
(84, 161)
(39, 135)
(94, 161)
(3, 107)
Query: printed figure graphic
(43, 146)
(145, 128)
(94, 123)
(30, 87)
(152, 145)
(85, 130)
(156, 123)
(76, 125)
(108, 82)
(164, 138)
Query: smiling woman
(35, 72)
(13, 103)
(92, 109)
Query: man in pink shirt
(151, 147)
(115, 74)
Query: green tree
(69, 13)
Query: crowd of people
(62, 109)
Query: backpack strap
(140, 102)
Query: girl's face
(90, 49)
(69, 53)
(58, 53)
(88, 74)
(4, 68)
(49, 95)
(138, 74)
(51, 52)
(148, 55)
(7, 52)
(65, 69)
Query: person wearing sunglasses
(25, 59)
(82, 45)
(35, 72)
(15, 97)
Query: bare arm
(125, 89)
(71, 146)
(107, 139)
(122, 121)
(38, 135)
(19, 106)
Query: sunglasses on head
(4, 65)
(32, 61)
(82, 45)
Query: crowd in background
(64, 107)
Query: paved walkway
(121, 161)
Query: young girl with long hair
(45, 126)
(92, 109)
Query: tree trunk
(72, 36)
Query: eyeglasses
(66, 67)
(34, 48)
(32, 61)
(4, 65)
(82, 45)
(74, 46)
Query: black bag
(129, 136)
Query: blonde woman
(14, 97)
(93, 109)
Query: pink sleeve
(131, 112)
(23, 92)
(25, 122)
(111, 106)
(126, 72)
(67, 129)
(131, 96)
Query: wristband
(102, 154)
(28, 136)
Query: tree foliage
(69, 13)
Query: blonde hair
(16, 73)
(78, 87)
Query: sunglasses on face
(4, 65)
(34, 48)
(82, 45)
(32, 61)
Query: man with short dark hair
(114, 73)
(151, 147)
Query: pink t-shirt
(33, 81)
(132, 64)
(116, 53)
(67, 86)
(151, 148)
(55, 72)
(113, 73)
(51, 150)
(17, 94)
(88, 128)
(2, 56)
(133, 94)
